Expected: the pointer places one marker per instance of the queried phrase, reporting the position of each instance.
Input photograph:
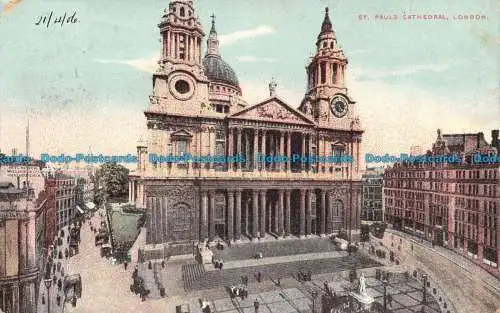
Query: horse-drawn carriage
(73, 286)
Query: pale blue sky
(88, 82)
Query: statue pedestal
(364, 300)
(205, 255)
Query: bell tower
(180, 83)
(326, 98)
(181, 33)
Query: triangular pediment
(273, 110)
(181, 133)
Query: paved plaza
(211, 279)
(406, 294)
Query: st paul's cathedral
(197, 108)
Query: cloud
(363, 73)
(234, 37)
(146, 65)
(75, 129)
(252, 59)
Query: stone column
(282, 150)
(238, 215)
(309, 212)
(289, 151)
(280, 214)
(287, 212)
(309, 152)
(255, 214)
(329, 209)
(230, 149)
(263, 149)
(22, 225)
(204, 216)
(239, 149)
(323, 213)
(303, 152)
(177, 46)
(149, 233)
(230, 213)
(302, 212)
(262, 213)
(211, 220)
(130, 191)
(255, 149)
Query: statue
(272, 87)
(362, 284)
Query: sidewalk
(458, 259)
(54, 290)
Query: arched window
(182, 12)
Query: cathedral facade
(271, 188)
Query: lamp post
(385, 283)
(48, 283)
(424, 290)
(314, 295)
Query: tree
(114, 178)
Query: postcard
(249, 156)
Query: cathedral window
(181, 147)
(182, 86)
(182, 12)
(331, 45)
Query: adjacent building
(18, 264)
(371, 195)
(455, 204)
(197, 109)
(62, 192)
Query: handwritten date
(52, 19)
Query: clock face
(339, 106)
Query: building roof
(217, 70)
(326, 27)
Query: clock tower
(326, 99)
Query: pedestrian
(389, 300)
(259, 276)
(256, 305)
(221, 264)
(150, 266)
(58, 299)
(327, 289)
(163, 264)
(125, 265)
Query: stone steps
(191, 273)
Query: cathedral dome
(217, 70)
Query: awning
(90, 205)
(79, 209)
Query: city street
(105, 287)
(54, 290)
(467, 292)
